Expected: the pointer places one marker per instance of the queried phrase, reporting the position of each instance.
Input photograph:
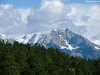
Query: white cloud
(12, 21)
(88, 17)
(6, 6)
(24, 14)
(45, 16)
(83, 19)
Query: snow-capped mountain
(64, 39)
(4, 37)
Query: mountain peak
(61, 29)
(62, 38)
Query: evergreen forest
(24, 59)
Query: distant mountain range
(64, 39)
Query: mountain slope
(64, 39)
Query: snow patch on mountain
(63, 47)
(97, 48)
(36, 38)
(64, 39)
(23, 39)
(96, 42)
(4, 37)
(68, 46)
(77, 54)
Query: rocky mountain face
(64, 39)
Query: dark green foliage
(20, 59)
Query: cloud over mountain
(81, 18)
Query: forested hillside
(21, 59)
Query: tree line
(24, 59)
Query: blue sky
(32, 3)
(21, 3)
